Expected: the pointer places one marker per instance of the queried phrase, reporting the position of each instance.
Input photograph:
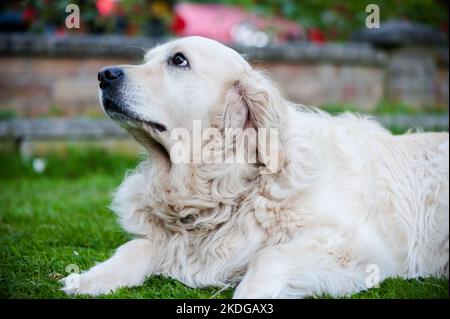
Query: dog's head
(186, 80)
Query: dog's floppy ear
(253, 101)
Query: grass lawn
(59, 220)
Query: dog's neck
(192, 195)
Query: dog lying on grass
(338, 200)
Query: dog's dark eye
(179, 60)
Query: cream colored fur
(348, 196)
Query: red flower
(178, 24)
(29, 14)
(104, 7)
(316, 35)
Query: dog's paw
(71, 284)
(88, 284)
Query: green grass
(386, 108)
(59, 218)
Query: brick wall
(319, 84)
(33, 86)
(47, 76)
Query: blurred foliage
(7, 115)
(56, 110)
(335, 19)
(146, 17)
(339, 18)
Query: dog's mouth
(126, 117)
(143, 131)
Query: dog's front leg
(129, 266)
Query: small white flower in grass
(39, 165)
(76, 253)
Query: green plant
(7, 115)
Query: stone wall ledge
(116, 46)
(95, 129)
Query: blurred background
(60, 157)
(320, 53)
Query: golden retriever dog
(347, 204)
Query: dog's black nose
(108, 76)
